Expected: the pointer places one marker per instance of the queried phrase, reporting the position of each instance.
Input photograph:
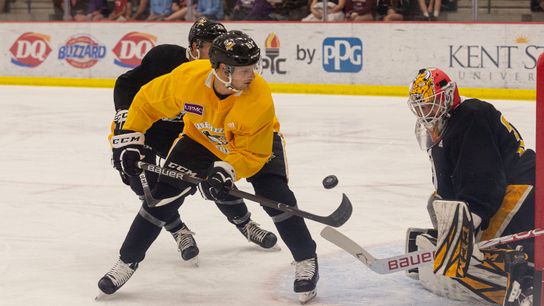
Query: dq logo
(82, 51)
(30, 49)
(131, 48)
(342, 54)
(272, 51)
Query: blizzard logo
(342, 54)
(30, 49)
(411, 260)
(131, 48)
(193, 108)
(82, 51)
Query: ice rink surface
(65, 212)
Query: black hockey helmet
(234, 48)
(205, 30)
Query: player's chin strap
(189, 52)
(227, 83)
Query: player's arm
(154, 101)
(158, 61)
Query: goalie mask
(432, 97)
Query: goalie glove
(456, 238)
(128, 148)
(219, 182)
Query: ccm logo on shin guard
(410, 260)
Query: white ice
(64, 211)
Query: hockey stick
(336, 219)
(409, 260)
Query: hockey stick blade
(336, 219)
(409, 260)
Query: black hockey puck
(330, 181)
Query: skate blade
(100, 296)
(305, 297)
(275, 248)
(193, 261)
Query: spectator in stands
(391, 10)
(121, 11)
(360, 10)
(212, 9)
(87, 10)
(542, 4)
(432, 8)
(3, 6)
(335, 9)
(142, 12)
(179, 10)
(288, 9)
(242, 9)
(159, 9)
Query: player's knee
(275, 188)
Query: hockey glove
(219, 182)
(128, 148)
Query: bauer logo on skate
(342, 54)
(410, 260)
(131, 48)
(30, 49)
(82, 51)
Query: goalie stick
(409, 260)
(336, 219)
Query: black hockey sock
(235, 211)
(296, 236)
(139, 238)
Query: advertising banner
(476, 55)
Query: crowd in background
(281, 10)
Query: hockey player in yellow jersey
(230, 133)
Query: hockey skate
(186, 245)
(116, 277)
(259, 236)
(519, 289)
(306, 277)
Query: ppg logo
(342, 54)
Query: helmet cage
(433, 109)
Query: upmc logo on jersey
(82, 51)
(132, 47)
(272, 51)
(30, 49)
(342, 54)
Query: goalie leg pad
(483, 283)
(455, 244)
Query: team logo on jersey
(30, 49)
(194, 108)
(272, 61)
(342, 54)
(131, 48)
(82, 51)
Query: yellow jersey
(238, 129)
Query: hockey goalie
(483, 177)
